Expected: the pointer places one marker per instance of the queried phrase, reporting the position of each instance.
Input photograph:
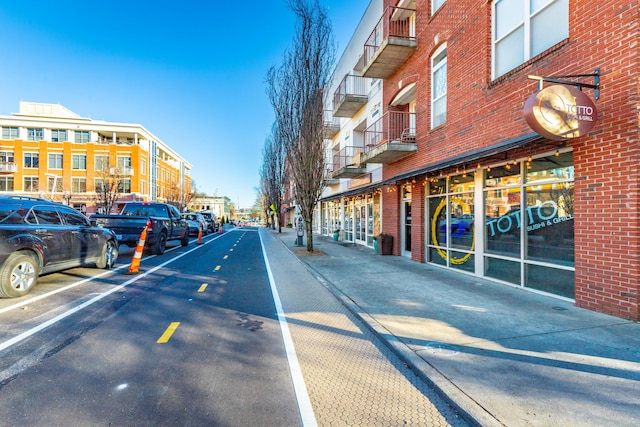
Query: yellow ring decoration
(434, 232)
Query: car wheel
(161, 244)
(109, 255)
(19, 275)
(185, 239)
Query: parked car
(212, 221)
(38, 236)
(163, 222)
(196, 222)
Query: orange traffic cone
(200, 235)
(135, 262)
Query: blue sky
(191, 72)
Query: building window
(54, 184)
(6, 157)
(79, 161)
(9, 132)
(529, 212)
(78, 185)
(143, 166)
(31, 184)
(31, 160)
(98, 185)
(6, 183)
(439, 87)
(523, 29)
(35, 134)
(101, 163)
(435, 5)
(124, 186)
(55, 161)
(124, 165)
(58, 135)
(81, 136)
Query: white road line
(40, 327)
(304, 403)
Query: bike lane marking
(299, 386)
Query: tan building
(49, 151)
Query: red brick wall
(482, 112)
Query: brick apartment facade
(456, 179)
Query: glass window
(79, 161)
(31, 184)
(435, 5)
(101, 163)
(79, 185)
(47, 215)
(6, 183)
(54, 181)
(31, 160)
(73, 217)
(58, 135)
(9, 132)
(524, 28)
(35, 134)
(124, 186)
(6, 156)
(55, 161)
(439, 87)
(81, 136)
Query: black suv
(38, 236)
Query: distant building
(221, 206)
(47, 150)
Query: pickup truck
(164, 219)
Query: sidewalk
(502, 355)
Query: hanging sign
(560, 112)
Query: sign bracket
(579, 85)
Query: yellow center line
(217, 268)
(231, 250)
(202, 287)
(167, 334)
(225, 257)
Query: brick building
(428, 141)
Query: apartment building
(495, 138)
(49, 151)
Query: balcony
(351, 96)
(328, 178)
(391, 138)
(391, 43)
(331, 125)
(8, 167)
(347, 164)
(122, 171)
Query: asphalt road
(192, 339)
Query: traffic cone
(137, 255)
(200, 235)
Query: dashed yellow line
(202, 287)
(217, 268)
(225, 257)
(168, 333)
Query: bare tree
(109, 186)
(181, 196)
(296, 91)
(274, 174)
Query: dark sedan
(38, 236)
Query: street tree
(274, 174)
(110, 183)
(296, 91)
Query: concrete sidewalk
(502, 355)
